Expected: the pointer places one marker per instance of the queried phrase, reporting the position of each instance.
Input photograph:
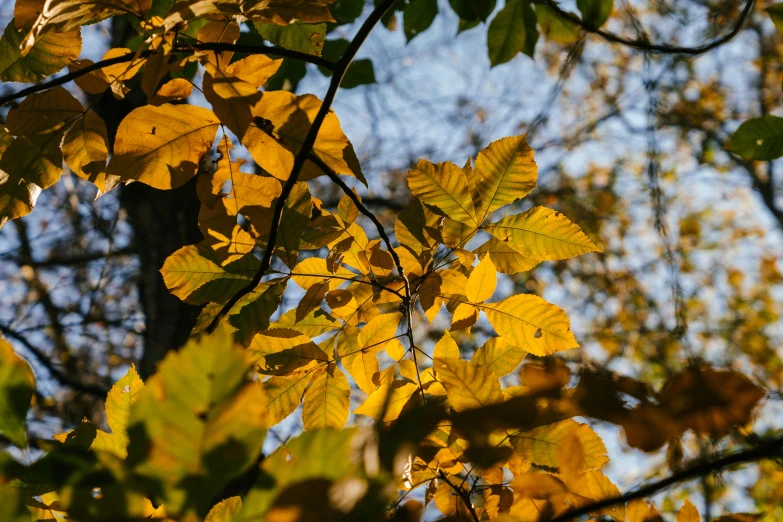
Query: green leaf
(758, 139)
(555, 27)
(226, 511)
(304, 38)
(199, 423)
(346, 11)
(17, 385)
(470, 10)
(48, 54)
(326, 454)
(360, 72)
(513, 30)
(418, 16)
(595, 13)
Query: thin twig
(464, 496)
(407, 301)
(57, 374)
(768, 449)
(303, 154)
(645, 45)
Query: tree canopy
(224, 309)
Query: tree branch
(465, 497)
(61, 377)
(768, 449)
(407, 300)
(645, 45)
(304, 152)
(212, 46)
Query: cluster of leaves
(187, 445)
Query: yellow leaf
(500, 356)
(233, 90)
(176, 89)
(17, 384)
(281, 121)
(162, 146)
(364, 369)
(118, 406)
(219, 31)
(395, 349)
(225, 511)
(408, 370)
(468, 385)
(282, 352)
(376, 333)
(122, 71)
(542, 233)
(446, 348)
(688, 513)
(571, 456)
(45, 112)
(482, 281)
(542, 446)
(639, 511)
(317, 322)
(65, 15)
(444, 188)
(464, 317)
(312, 299)
(438, 285)
(505, 172)
(283, 396)
(37, 160)
(44, 55)
(86, 149)
(313, 270)
(389, 400)
(531, 323)
(327, 399)
(596, 486)
(506, 259)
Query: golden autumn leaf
(482, 281)
(162, 146)
(688, 513)
(500, 356)
(44, 55)
(389, 400)
(46, 112)
(327, 399)
(444, 188)
(542, 233)
(283, 395)
(504, 172)
(121, 397)
(446, 348)
(506, 259)
(468, 386)
(313, 271)
(86, 149)
(176, 89)
(283, 352)
(280, 123)
(536, 326)
(377, 332)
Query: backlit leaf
(531, 323)
(86, 149)
(17, 385)
(688, 513)
(378, 332)
(505, 172)
(542, 445)
(468, 385)
(305, 38)
(327, 399)
(542, 233)
(482, 281)
(199, 419)
(45, 56)
(446, 348)
(283, 395)
(162, 146)
(121, 397)
(758, 138)
(444, 188)
(281, 121)
(500, 356)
